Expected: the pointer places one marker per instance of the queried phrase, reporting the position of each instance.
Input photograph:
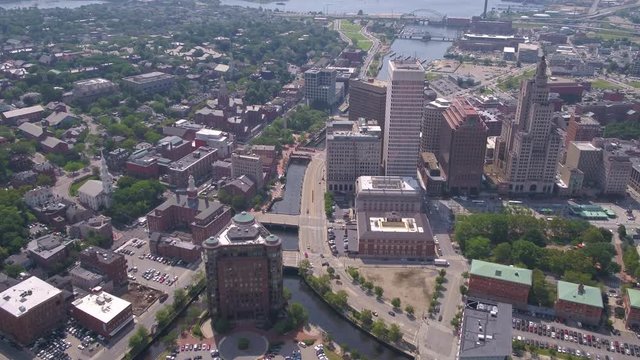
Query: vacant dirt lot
(141, 297)
(412, 286)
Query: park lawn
(603, 85)
(431, 76)
(331, 355)
(352, 31)
(73, 189)
(635, 84)
(513, 82)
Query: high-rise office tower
(367, 100)
(463, 143)
(527, 152)
(403, 118)
(320, 87)
(431, 121)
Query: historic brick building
(499, 282)
(106, 263)
(244, 271)
(205, 218)
(579, 303)
(30, 309)
(632, 308)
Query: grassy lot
(513, 82)
(73, 189)
(603, 85)
(635, 84)
(431, 76)
(352, 31)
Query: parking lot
(579, 342)
(69, 342)
(152, 271)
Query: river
(290, 203)
(341, 331)
(48, 4)
(462, 8)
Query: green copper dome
(243, 218)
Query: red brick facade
(631, 314)
(498, 290)
(105, 262)
(97, 326)
(579, 312)
(36, 322)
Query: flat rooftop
(585, 146)
(388, 184)
(486, 330)
(19, 299)
(243, 230)
(148, 77)
(102, 306)
(390, 224)
(191, 158)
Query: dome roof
(272, 239)
(243, 218)
(212, 241)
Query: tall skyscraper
(463, 143)
(367, 100)
(320, 86)
(527, 152)
(431, 122)
(243, 266)
(403, 118)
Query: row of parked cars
(162, 260)
(576, 337)
(157, 276)
(52, 347)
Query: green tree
(622, 232)
(13, 270)
(179, 298)
(409, 310)
(298, 314)
(541, 293)
(395, 302)
(304, 266)
(379, 329)
(525, 252)
(478, 248)
(502, 253)
(328, 204)
(163, 316)
(368, 285)
(138, 340)
(394, 333)
(366, 317)
(379, 291)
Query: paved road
(375, 47)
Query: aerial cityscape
(365, 179)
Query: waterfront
(425, 51)
(462, 8)
(290, 203)
(340, 330)
(48, 4)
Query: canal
(340, 330)
(290, 203)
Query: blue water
(462, 8)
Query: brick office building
(395, 235)
(197, 164)
(102, 313)
(204, 217)
(244, 271)
(168, 246)
(499, 282)
(632, 308)
(30, 309)
(579, 302)
(105, 262)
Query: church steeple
(192, 190)
(105, 177)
